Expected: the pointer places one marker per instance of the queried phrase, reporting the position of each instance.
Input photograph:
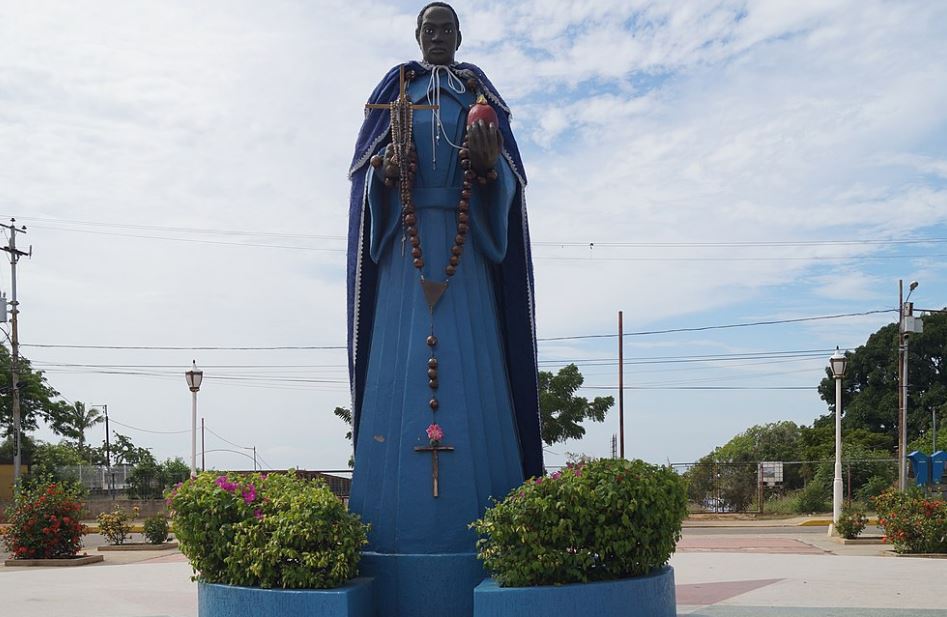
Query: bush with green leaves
(604, 520)
(913, 522)
(114, 526)
(44, 522)
(851, 522)
(267, 531)
(813, 498)
(156, 529)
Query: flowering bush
(156, 529)
(912, 522)
(115, 526)
(603, 520)
(266, 531)
(851, 522)
(44, 523)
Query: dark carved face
(438, 36)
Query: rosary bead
(465, 163)
(454, 260)
(462, 228)
(410, 219)
(469, 175)
(492, 174)
(467, 186)
(389, 182)
(450, 270)
(431, 341)
(464, 153)
(465, 194)
(434, 404)
(409, 75)
(432, 362)
(472, 83)
(412, 167)
(432, 373)
(459, 239)
(418, 263)
(415, 252)
(463, 205)
(411, 230)
(462, 216)
(481, 180)
(432, 384)
(377, 161)
(415, 241)
(456, 249)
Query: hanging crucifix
(434, 449)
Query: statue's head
(438, 33)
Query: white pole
(194, 434)
(904, 419)
(837, 484)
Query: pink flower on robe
(434, 433)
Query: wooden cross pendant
(402, 101)
(434, 450)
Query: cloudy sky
(181, 168)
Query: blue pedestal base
(644, 596)
(423, 585)
(351, 600)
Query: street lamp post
(837, 363)
(194, 378)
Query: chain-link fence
(781, 487)
(98, 479)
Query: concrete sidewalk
(753, 574)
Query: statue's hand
(391, 163)
(485, 143)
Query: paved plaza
(720, 572)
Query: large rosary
(402, 118)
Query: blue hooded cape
(513, 276)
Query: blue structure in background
(928, 470)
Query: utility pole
(203, 467)
(15, 255)
(908, 325)
(902, 475)
(254, 458)
(108, 451)
(621, 386)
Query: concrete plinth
(643, 596)
(410, 585)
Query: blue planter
(352, 600)
(643, 596)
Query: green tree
(127, 453)
(561, 411)
(72, 422)
(345, 414)
(37, 397)
(870, 386)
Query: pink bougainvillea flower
(258, 513)
(556, 475)
(249, 494)
(226, 484)
(539, 480)
(434, 432)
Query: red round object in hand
(481, 110)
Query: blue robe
(480, 325)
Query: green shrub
(44, 523)
(813, 498)
(851, 522)
(266, 531)
(604, 520)
(156, 529)
(912, 522)
(115, 526)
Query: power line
(236, 445)
(719, 327)
(722, 388)
(145, 430)
(545, 339)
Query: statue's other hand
(485, 143)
